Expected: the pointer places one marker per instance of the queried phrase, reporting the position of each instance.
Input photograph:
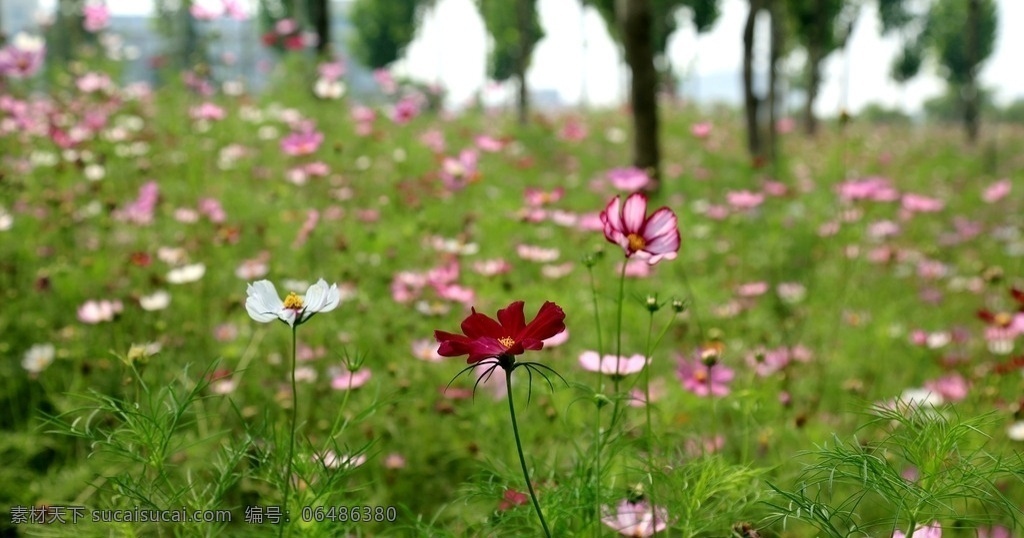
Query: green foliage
(917, 463)
(949, 106)
(948, 34)
(382, 30)
(894, 15)
(704, 14)
(877, 113)
(501, 18)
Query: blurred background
(576, 61)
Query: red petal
(484, 348)
(477, 325)
(452, 345)
(550, 321)
(512, 319)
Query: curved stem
(647, 410)
(597, 423)
(519, 447)
(291, 435)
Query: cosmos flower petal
(512, 319)
(550, 321)
(662, 222)
(476, 325)
(633, 213)
(263, 303)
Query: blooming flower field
(830, 347)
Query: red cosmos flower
(510, 335)
(648, 238)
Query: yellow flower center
(293, 301)
(636, 242)
(1003, 319)
(700, 375)
(506, 341)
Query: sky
(451, 43)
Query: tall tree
(636, 20)
(320, 17)
(383, 29)
(962, 34)
(751, 101)
(643, 28)
(821, 27)
(515, 29)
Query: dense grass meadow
(836, 350)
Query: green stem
(519, 447)
(597, 424)
(618, 345)
(291, 436)
(647, 410)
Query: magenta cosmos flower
(509, 335)
(648, 238)
(704, 380)
(637, 519)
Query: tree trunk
(774, 95)
(970, 90)
(523, 19)
(635, 18)
(815, 53)
(751, 103)
(320, 17)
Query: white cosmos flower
(265, 305)
(158, 300)
(38, 357)
(186, 274)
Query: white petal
(263, 303)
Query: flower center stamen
(1003, 319)
(293, 301)
(636, 242)
(506, 341)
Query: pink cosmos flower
(207, 111)
(875, 188)
(203, 13)
(636, 519)
(23, 57)
(141, 210)
(342, 379)
(433, 139)
(458, 172)
(234, 9)
(405, 110)
(426, 350)
(701, 129)
(704, 380)
(997, 531)
(535, 197)
(538, 254)
(931, 531)
(611, 365)
(628, 179)
(93, 312)
(489, 144)
(96, 17)
(744, 199)
(996, 191)
(952, 388)
(573, 131)
(493, 267)
(916, 203)
(332, 70)
(302, 142)
(650, 238)
(385, 81)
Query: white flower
(6, 220)
(37, 358)
(329, 89)
(265, 305)
(1016, 431)
(186, 274)
(157, 301)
